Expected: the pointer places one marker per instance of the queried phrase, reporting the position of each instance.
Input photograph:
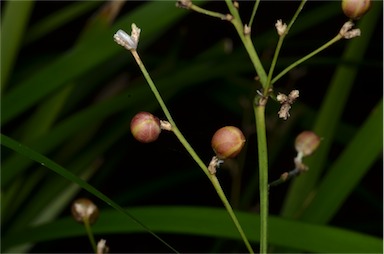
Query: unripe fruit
(145, 127)
(307, 142)
(355, 9)
(84, 210)
(227, 142)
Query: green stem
(191, 151)
(326, 45)
(278, 47)
(246, 39)
(91, 237)
(285, 177)
(168, 115)
(222, 196)
(301, 6)
(207, 12)
(260, 126)
(257, 2)
(259, 110)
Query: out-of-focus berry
(307, 142)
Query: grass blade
(57, 19)
(209, 222)
(14, 22)
(26, 151)
(348, 170)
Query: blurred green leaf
(209, 222)
(350, 167)
(58, 19)
(87, 55)
(13, 24)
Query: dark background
(199, 111)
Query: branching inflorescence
(228, 141)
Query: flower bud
(227, 142)
(355, 9)
(145, 127)
(84, 209)
(307, 142)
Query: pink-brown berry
(227, 142)
(307, 142)
(83, 210)
(355, 9)
(145, 127)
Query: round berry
(145, 127)
(355, 9)
(227, 142)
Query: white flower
(128, 42)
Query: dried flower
(83, 210)
(214, 164)
(280, 27)
(347, 32)
(286, 102)
(247, 29)
(102, 248)
(282, 98)
(284, 111)
(236, 4)
(165, 125)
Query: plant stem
(301, 6)
(259, 109)
(222, 196)
(191, 151)
(286, 176)
(246, 39)
(293, 65)
(88, 228)
(168, 115)
(278, 47)
(257, 2)
(207, 12)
